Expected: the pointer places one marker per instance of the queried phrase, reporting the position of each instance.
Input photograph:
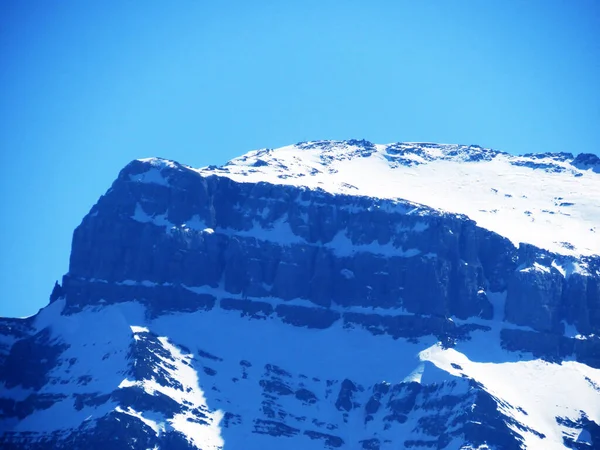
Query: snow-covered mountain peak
(413, 153)
(294, 299)
(551, 200)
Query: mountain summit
(547, 199)
(329, 294)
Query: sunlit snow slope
(548, 200)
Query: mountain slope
(559, 213)
(242, 307)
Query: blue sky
(89, 86)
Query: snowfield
(543, 200)
(208, 376)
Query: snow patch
(153, 176)
(535, 267)
(159, 220)
(342, 246)
(157, 427)
(136, 329)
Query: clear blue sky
(88, 86)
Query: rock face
(201, 311)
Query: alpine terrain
(324, 295)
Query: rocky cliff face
(201, 311)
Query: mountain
(329, 294)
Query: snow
(157, 427)
(353, 354)
(219, 292)
(159, 163)
(543, 390)
(178, 366)
(342, 246)
(571, 331)
(569, 268)
(136, 329)
(536, 267)
(279, 231)
(154, 176)
(557, 211)
(91, 364)
(558, 267)
(195, 223)
(202, 436)
(416, 375)
(141, 216)
(320, 359)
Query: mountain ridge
(456, 178)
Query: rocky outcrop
(285, 242)
(167, 231)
